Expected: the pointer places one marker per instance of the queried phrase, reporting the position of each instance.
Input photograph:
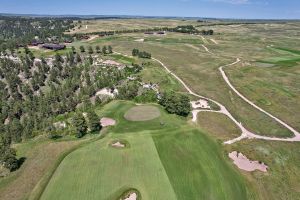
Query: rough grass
(142, 113)
(218, 125)
(40, 157)
(282, 180)
(186, 164)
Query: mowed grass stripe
(196, 168)
(99, 171)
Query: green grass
(123, 59)
(142, 113)
(196, 167)
(101, 172)
(174, 161)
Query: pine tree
(80, 125)
(93, 122)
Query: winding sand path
(246, 134)
(206, 49)
(214, 41)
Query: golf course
(166, 150)
(152, 109)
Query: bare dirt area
(38, 162)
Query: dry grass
(39, 161)
(218, 125)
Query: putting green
(142, 113)
(174, 161)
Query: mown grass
(197, 169)
(186, 163)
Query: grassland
(218, 125)
(155, 150)
(196, 67)
(89, 26)
(282, 180)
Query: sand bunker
(200, 104)
(107, 122)
(244, 163)
(142, 113)
(118, 144)
(140, 40)
(131, 196)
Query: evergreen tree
(98, 50)
(80, 125)
(82, 49)
(93, 122)
(90, 51)
(104, 50)
(110, 50)
(15, 129)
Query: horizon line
(91, 16)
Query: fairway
(99, 171)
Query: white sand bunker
(107, 122)
(131, 196)
(200, 104)
(140, 40)
(118, 144)
(244, 163)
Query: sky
(248, 9)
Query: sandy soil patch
(244, 163)
(105, 122)
(106, 92)
(200, 104)
(34, 47)
(214, 41)
(111, 62)
(142, 113)
(92, 38)
(132, 196)
(118, 145)
(140, 40)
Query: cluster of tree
(86, 123)
(7, 154)
(20, 31)
(34, 91)
(190, 29)
(105, 49)
(141, 54)
(176, 103)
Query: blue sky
(287, 9)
